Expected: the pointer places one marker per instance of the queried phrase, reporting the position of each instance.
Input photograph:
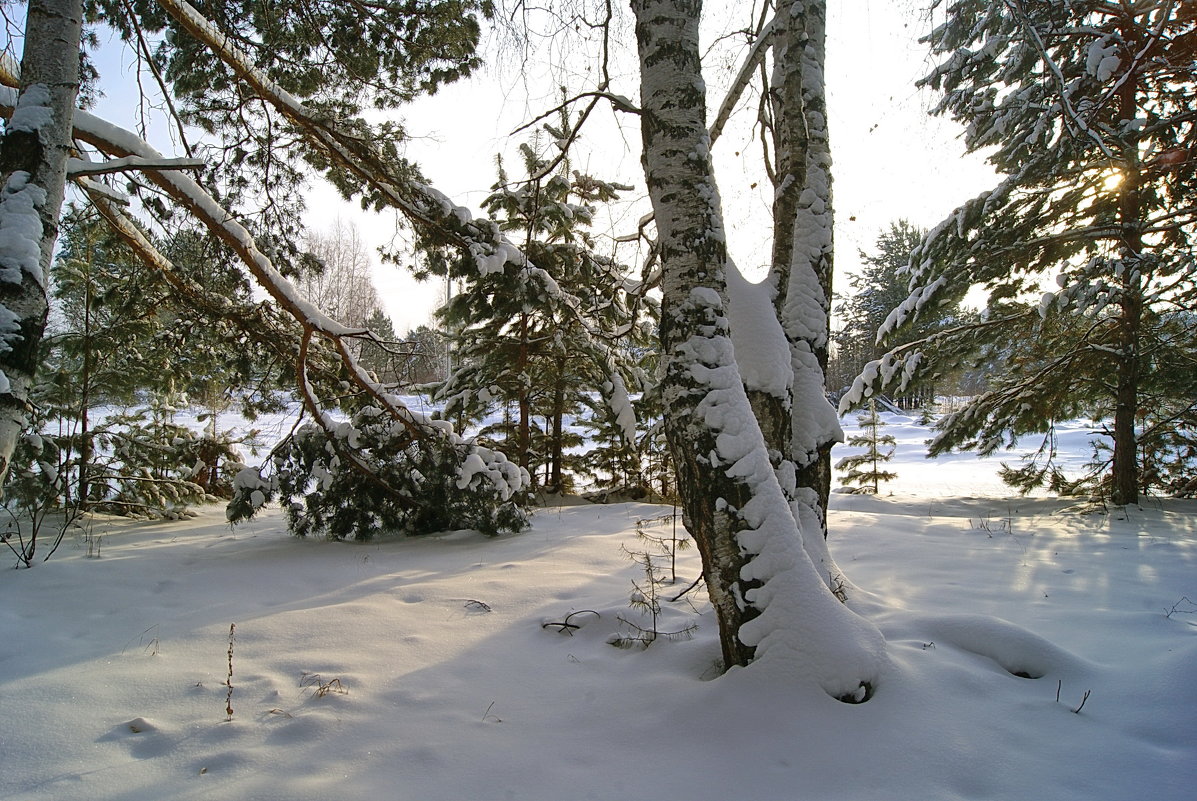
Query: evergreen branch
(221, 224)
(420, 203)
(144, 48)
(257, 321)
(330, 427)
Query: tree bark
(33, 156)
(557, 431)
(694, 336)
(801, 429)
(803, 270)
(774, 411)
(1125, 467)
(768, 595)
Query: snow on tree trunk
(799, 425)
(804, 279)
(33, 157)
(772, 604)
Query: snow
(10, 328)
(33, 109)
(760, 343)
(620, 403)
(20, 221)
(114, 668)
(1102, 59)
(20, 228)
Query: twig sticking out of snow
(566, 626)
(228, 682)
(1184, 599)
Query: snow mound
(1018, 651)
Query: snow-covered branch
(80, 167)
(423, 205)
(752, 60)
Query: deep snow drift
(423, 669)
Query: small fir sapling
(865, 468)
(532, 338)
(646, 599)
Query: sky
(892, 160)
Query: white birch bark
(33, 161)
(772, 604)
(802, 258)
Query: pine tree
(338, 276)
(383, 357)
(392, 487)
(427, 360)
(1085, 108)
(865, 468)
(121, 338)
(527, 340)
(882, 284)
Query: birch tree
(341, 284)
(772, 602)
(33, 159)
(801, 272)
(777, 595)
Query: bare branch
(755, 57)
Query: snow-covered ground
(421, 670)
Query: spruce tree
(865, 469)
(427, 360)
(382, 357)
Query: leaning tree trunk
(768, 596)
(33, 156)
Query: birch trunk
(768, 596)
(33, 156)
(802, 263)
(694, 335)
